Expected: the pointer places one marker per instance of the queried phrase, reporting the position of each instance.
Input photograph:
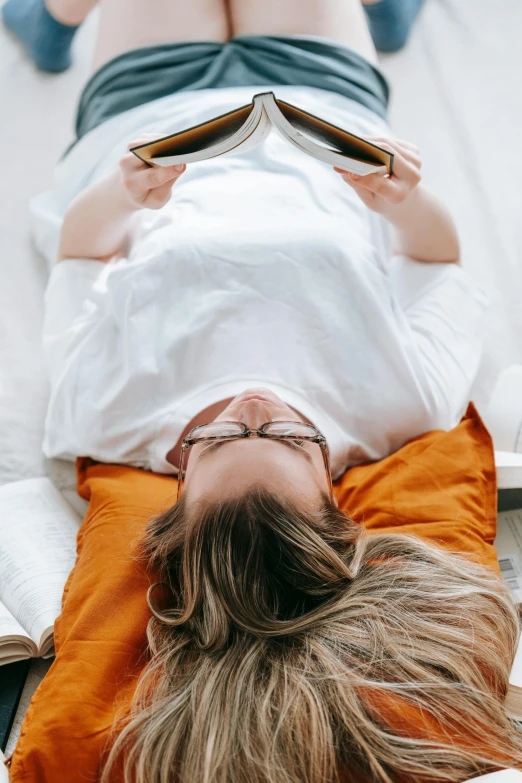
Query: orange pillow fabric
(440, 486)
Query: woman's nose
(254, 413)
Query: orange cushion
(440, 486)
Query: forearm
(98, 221)
(423, 228)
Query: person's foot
(46, 40)
(390, 21)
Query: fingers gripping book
(244, 128)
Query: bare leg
(129, 24)
(71, 12)
(341, 20)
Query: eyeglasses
(234, 430)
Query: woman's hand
(422, 226)
(98, 222)
(147, 186)
(382, 193)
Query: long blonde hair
(294, 648)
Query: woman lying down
(245, 322)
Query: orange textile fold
(439, 486)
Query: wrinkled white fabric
(263, 269)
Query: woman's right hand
(147, 186)
(97, 222)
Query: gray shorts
(142, 75)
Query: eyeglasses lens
(224, 429)
(216, 429)
(291, 429)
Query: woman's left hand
(383, 193)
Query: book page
(252, 132)
(508, 544)
(334, 139)
(515, 678)
(322, 146)
(9, 626)
(195, 142)
(37, 552)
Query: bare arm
(422, 226)
(98, 222)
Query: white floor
(456, 93)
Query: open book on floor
(247, 126)
(37, 552)
(508, 544)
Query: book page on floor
(244, 128)
(508, 544)
(37, 552)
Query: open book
(246, 127)
(37, 552)
(508, 544)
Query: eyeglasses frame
(189, 441)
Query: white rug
(456, 93)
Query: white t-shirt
(263, 269)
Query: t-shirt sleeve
(75, 307)
(94, 393)
(444, 312)
(73, 302)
